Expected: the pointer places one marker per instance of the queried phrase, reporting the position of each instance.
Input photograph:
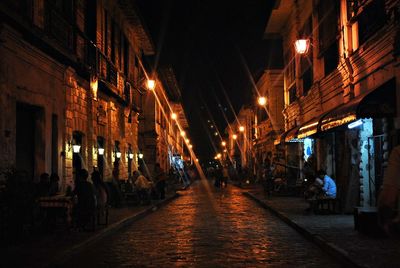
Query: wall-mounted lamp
(302, 45)
(118, 155)
(76, 148)
(100, 151)
(130, 156)
(140, 155)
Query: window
(23, 8)
(290, 75)
(328, 24)
(59, 17)
(328, 33)
(306, 61)
(292, 94)
(370, 20)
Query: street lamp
(151, 84)
(234, 136)
(140, 155)
(174, 116)
(262, 101)
(241, 128)
(190, 146)
(183, 133)
(302, 45)
(223, 143)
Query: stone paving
(41, 249)
(338, 230)
(205, 227)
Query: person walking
(225, 176)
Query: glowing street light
(183, 133)
(234, 136)
(190, 146)
(151, 84)
(241, 128)
(215, 133)
(223, 143)
(262, 101)
(174, 116)
(302, 46)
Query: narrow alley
(205, 227)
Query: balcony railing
(95, 61)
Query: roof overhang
(278, 18)
(379, 103)
(130, 12)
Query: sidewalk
(334, 233)
(46, 250)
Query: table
(58, 201)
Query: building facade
(269, 121)
(349, 73)
(71, 85)
(161, 124)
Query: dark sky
(213, 46)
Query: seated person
(86, 205)
(323, 188)
(314, 190)
(143, 186)
(329, 187)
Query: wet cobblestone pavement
(205, 227)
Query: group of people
(92, 198)
(147, 188)
(48, 185)
(220, 175)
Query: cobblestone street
(206, 227)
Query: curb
(69, 253)
(328, 247)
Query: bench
(328, 205)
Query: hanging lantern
(302, 46)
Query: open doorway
(30, 140)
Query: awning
(380, 103)
(286, 136)
(309, 128)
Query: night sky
(215, 48)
